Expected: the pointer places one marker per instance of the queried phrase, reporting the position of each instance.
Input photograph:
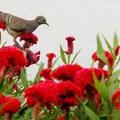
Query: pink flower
(70, 40)
(50, 57)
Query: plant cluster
(67, 91)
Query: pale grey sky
(80, 18)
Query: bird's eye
(44, 21)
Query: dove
(16, 26)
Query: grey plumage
(15, 26)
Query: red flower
(32, 57)
(68, 94)
(11, 59)
(66, 72)
(31, 101)
(2, 25)
(44, 92)
(9, 105)
(70, 40)
(29, 39)
(50, 59)
(85, 76)
(101, 63)
(116, 99)
(60, 118)
(117, 50)
(12, 56)
(46, 73)
(94, 96)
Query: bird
(16, 26)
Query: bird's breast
(13, 33)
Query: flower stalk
(7, 116)
(36, 112)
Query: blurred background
(82, 19)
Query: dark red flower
(94, 96)
(2, 25)
(50, 57)
(32, 57)
(68, 94)
(101, 63)
(85, 76)
(44, 92)
(70, 40)
(29, 39)
(46, 73)
(66, 72)
(9, 105)
(116, 99)
(117, 50)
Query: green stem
(68, 59)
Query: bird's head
(41, 20)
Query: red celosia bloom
(66, 72)
(50, 59)
(117, 50)
(68, 94)
(46, 73)
(32, 57)
(12, 56)
(70, 40)
(29, 37)
(2, 25)
(44, 92)
(108, 56)
(31, 101)
(94, 96)
(9, 105)
(60, 118)
(11, 59)
(85, 76)
(116, 99)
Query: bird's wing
(2, 17)
(16, 23)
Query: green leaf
(100, 50)
(91, 114)
(23, 76)
(115, 40)
(55, 61)
(75, 56)
(37, 77)
(115, 75)
(101, 87)
(109, 46)
(116, 115)
(62, 54)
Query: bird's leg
(17, 44)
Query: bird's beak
(47, 24)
